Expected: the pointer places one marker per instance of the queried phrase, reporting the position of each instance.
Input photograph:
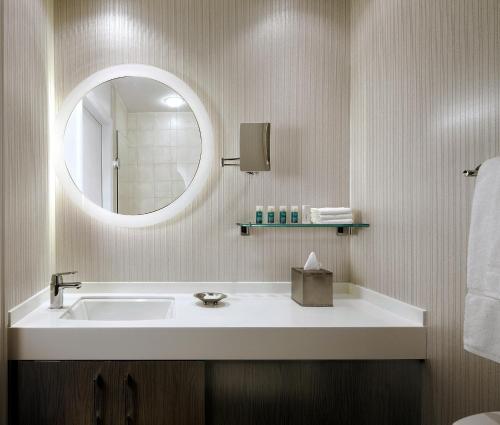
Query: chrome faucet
(56, 289)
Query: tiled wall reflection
(159, 155)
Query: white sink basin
(115, 309)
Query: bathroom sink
(115, 309)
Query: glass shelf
(342, 229)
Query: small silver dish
(210, 298)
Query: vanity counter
(258, 321)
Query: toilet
(490, 418)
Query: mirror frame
(207, 146)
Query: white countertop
(257, 321)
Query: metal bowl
(210, 298)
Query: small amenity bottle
(270, 214)
(258, 214)
(282, 214)
(294, 215)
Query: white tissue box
(312, 288)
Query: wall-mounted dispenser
(255, 148)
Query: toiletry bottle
(294, 215)
(306, 214)
(282, 214)
(270, 214)
(258, 214)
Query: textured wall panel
(3, 322)
(425, 104)
(25, 149)
(24, 243)
(281, 61)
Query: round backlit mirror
(135, 145)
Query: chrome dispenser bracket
(227, 162)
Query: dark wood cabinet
(314, 392)
(55, 393)
(107, 393)
(164, 392)
(215, 392)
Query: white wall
(26, 148)
(24, 161)
(286, 62)
(425, 104)
(3, 321)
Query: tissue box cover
(312, 288)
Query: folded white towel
(340, 210)
(482, 304)
(320, 221)
(332, 216)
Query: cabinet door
(164, 392)
(56, 393)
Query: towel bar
(471, 173)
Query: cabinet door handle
(98, 399)
(129, 385)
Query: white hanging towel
(482, 302)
